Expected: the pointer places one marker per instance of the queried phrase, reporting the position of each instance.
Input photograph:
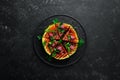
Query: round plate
(39, 49)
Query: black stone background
(20, 18)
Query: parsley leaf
(60, 41)
(44, 43)
(68, 46)
(51, 38)
(62, 31)
(55, 21)
(49, 30)
(50, 43)
(49, 58)
(39, 37)
(69, 37)
(81, 42)
(50, 49)
(53, 54)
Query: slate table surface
(20, 18)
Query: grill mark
(65, 33)
(65, 49)
(63, 55)
(56, 55)
(59, 56)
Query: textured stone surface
(20, 18)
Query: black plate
(40, 50)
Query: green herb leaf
(39, 37)
(68, 48)
(62, 31)
(55, 21)
(69, 37)
(81, 42)
(59, 28)
(49, 30)
(60, 41)
(60, 24)
(53, 54)
(50, 43)
(55, 49)
(49, 57)
(44, 43)
(68, 44)
(50, 49)
(51, 38)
